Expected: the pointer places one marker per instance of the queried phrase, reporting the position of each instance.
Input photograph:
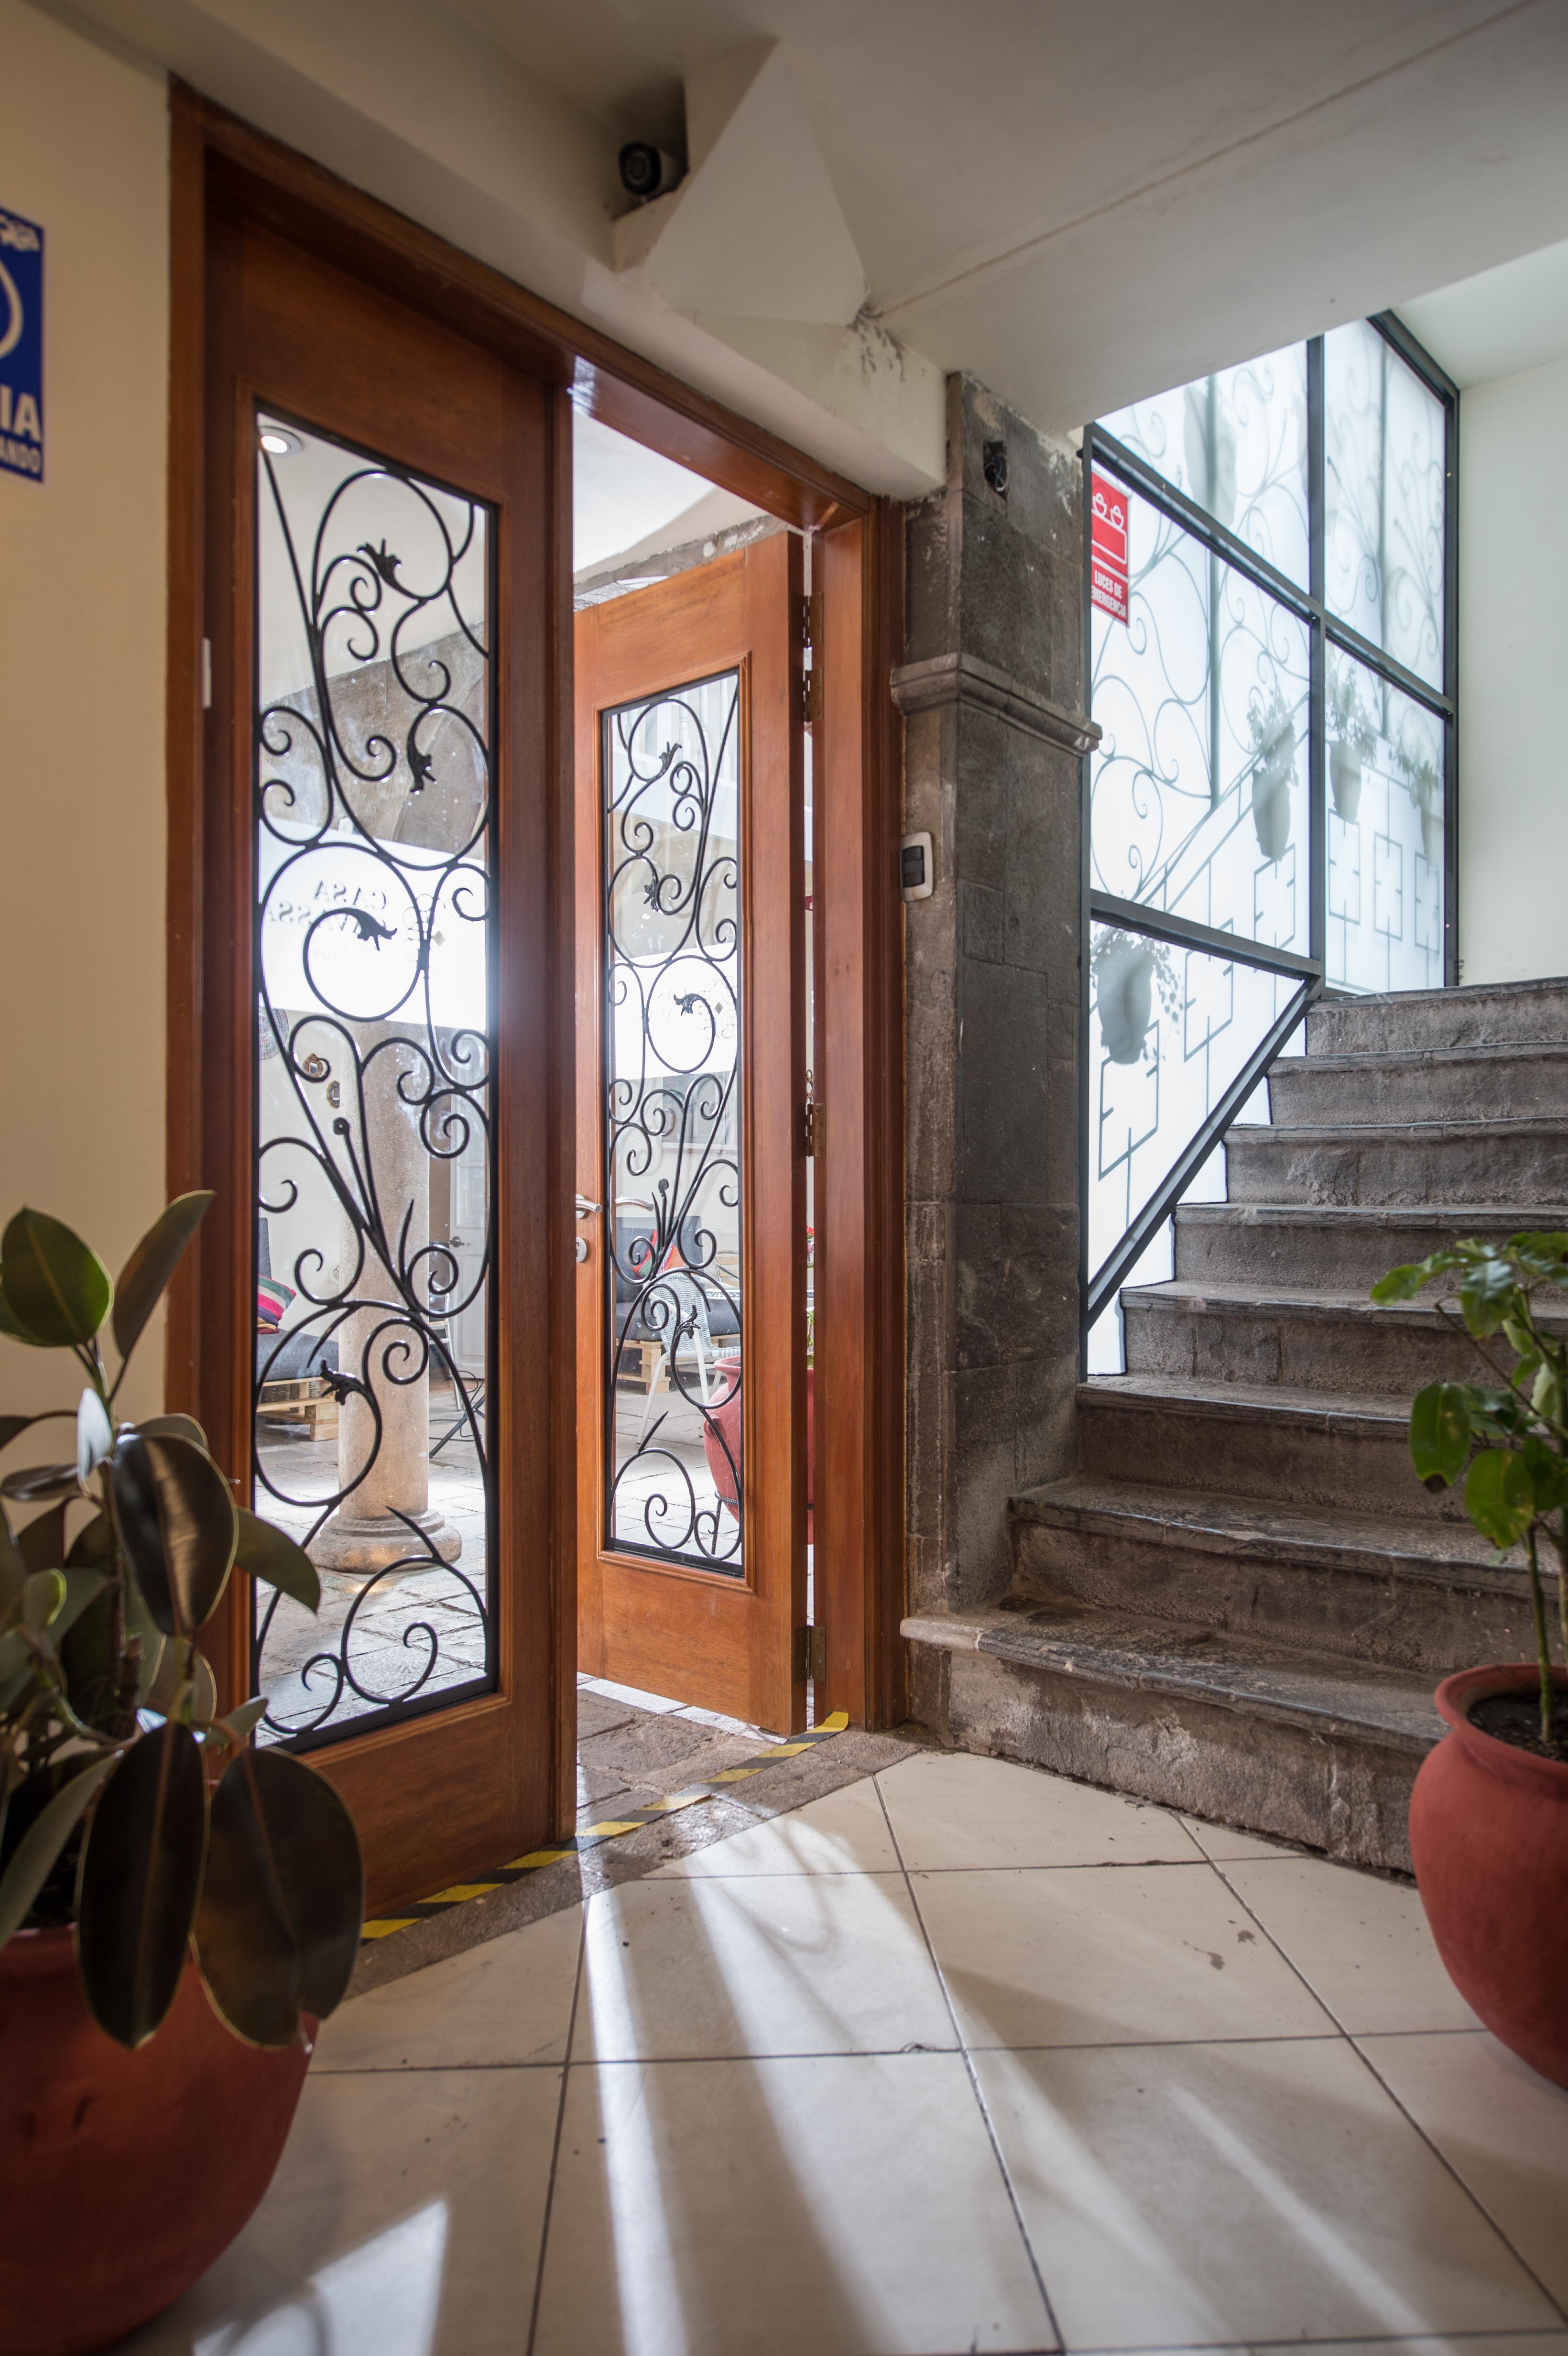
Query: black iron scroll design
(372, 807)
(672, 1031)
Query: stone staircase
(1240, 1601)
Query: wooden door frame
(857, 542)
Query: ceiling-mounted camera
(647, 171)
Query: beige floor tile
(1448, 2343)
(730, 1965)
(951, 1809)
(844, 1832)
(1502, 2129)
(1092, 1955)
(1361, 1943)
(509, 2000)
(405, 2220)
(1222, 1842)
(837, 2205)
(1183, 2194)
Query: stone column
(365, 1534)
(992, 692)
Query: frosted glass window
(1385, 451)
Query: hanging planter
(1274, 768)
(1345, 779)
(1124, 968)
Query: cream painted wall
(84, 152)
(1513, 734)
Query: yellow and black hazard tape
(501, 1877)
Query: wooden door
(387, 859)
(690, 1277)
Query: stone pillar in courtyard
(992, 691)
(380, 1345)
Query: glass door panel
(373, 956)
(672, 1085)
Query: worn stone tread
(1352, 1060)
(1325, 1411)
(1519, 1128)
(1361, 1219)
(1311, 1537)
(1316, 1693)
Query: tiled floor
(958, 2057)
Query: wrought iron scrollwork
(372, 817)
(672, 1068)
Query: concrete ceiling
(1083, 204)
(1499, 321)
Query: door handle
(585, 1209)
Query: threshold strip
(501, 1877)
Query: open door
(692, 1169)
(385, 1329)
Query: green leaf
(36, 1482)
(8, 1324)
(1440, 1433)
(1499, 1496)
(177, 1523)
(41, 1600)
(283, 1899)
(141, 1874)
(269, 1553)
(1403, 1283)
(41, 1843)
(42, 1542)
(173, 1427)
(242, 1722)
(94, 1435)
(91, 1544)
(84, 1647)
(1546, 1398)
(147, 1271)
(13, 1568)
(13, 1426)
(1488, 1295)
(57, 1290)
(1548, 1475)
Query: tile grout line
(1368, 2064)
(559, 2123)
(969, 2071)
(1348, 2036)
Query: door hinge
(808, 614)
(811, 1128)
(811, 694)
(810, 617)
(207, 674)
(811, 1655)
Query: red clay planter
(123, 2176)
(1488, 1833)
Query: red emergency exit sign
(1108, 548)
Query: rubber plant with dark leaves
(1506, 1440)
(127, 1803)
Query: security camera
(647, 171)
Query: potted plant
(1488, 1817)
(177, 1909)
(1124, 969)
(1351, 740)
(1425, 786)
(1273, 728)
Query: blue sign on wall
(21, 345)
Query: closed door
(691, 1171)
(389, 954)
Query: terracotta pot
(123, 2176)
(1489, 1832)
(722, 1430)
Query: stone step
(1342, 1249)
(1299, 1339)
(1442, 1163)
(1513, 1082)
(1295, 1447)
(1481, 1015)
(1416, 1596)
(1304, 1746)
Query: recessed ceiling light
(279, 443)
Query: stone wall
(992, 694)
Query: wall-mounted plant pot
(1123, 997)
(1431, 836)
(123, 2176)
(1488, 1834)
(1345, 779)
(721, 1428)
(1270, 807)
